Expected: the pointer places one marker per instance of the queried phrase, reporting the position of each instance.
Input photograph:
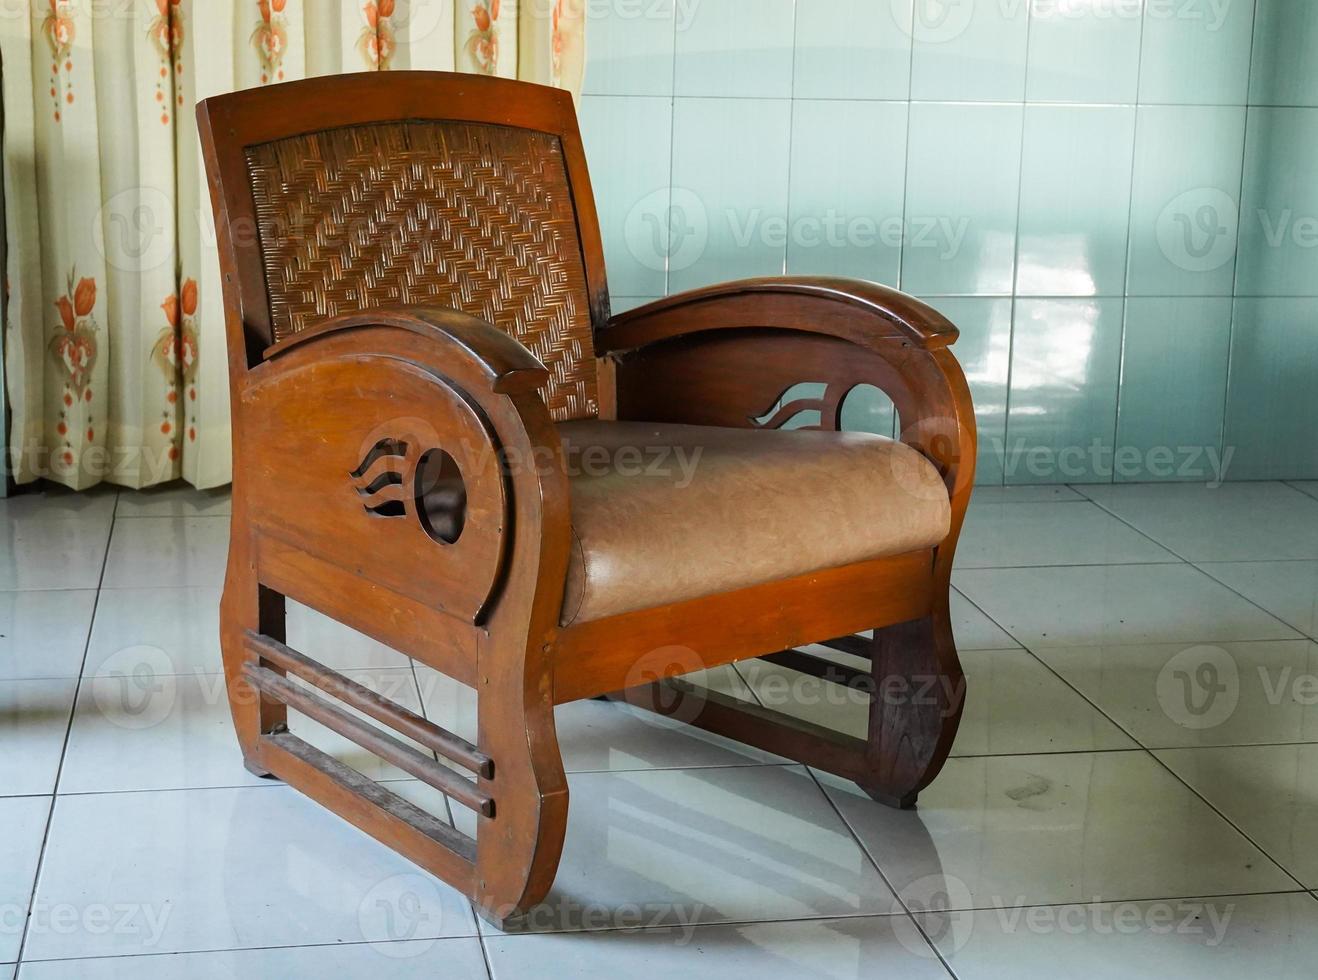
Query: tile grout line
(68, 731)
(1191, 564)
(1151, 754)
(865, 852)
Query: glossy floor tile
(59, 553)
(1274, 936)
(1287, 589)
(704, 845)
(167, 551)
(1232, 522)
(1105, 604)
(1139, 732)
(34, 718)
(24, 822)
(1007, 535)
(1177, 694)
(175, 500)
(889, 946)
(44, 634)
(1048, 829)
(225, 869)
(420, 959)
(1269, 791)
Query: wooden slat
(808, 663)
(450, 746)
(600, 656)
(387, 747)
(771, 731)
(857, 646)
(373, 809)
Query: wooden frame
(484, 608)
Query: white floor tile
(841, 948)
(137, 728)
(1179, 694)
(336, 646)
(24, 823)
(1309, 487)
(1269, 791)
(1009, 535)
(1003, 831)
(168, 551)
(226, 869)
(703, 845)
(975, 631)
(52, 554)
(34, 718)
(1096, 605)
(44, 634)
(451, 959)
(1273, 936)
(1287, 589)
(1014, 705)
(1025, 495)
(1233, 522)
(609, 736)
(182, 625)
(174, 500)
(55, 503)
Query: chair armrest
(507, 366)
(862, 312)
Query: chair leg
(919, 690)
(246, 605)
(518, 848)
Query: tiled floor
(1133, 791)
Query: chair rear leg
(918, 693)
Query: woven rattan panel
(477, 218)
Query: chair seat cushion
(663, 513)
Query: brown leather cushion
(663, 513)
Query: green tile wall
(1116, 201)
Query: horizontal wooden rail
(763, 728)
(815, 666)
(857, 646)
(387, 747)
(445, 743)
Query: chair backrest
(384, 189)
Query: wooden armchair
(432, 407)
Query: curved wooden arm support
(508, 366)
(728, 355)
(853, 309)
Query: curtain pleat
(114, 344)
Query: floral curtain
(114, 344)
